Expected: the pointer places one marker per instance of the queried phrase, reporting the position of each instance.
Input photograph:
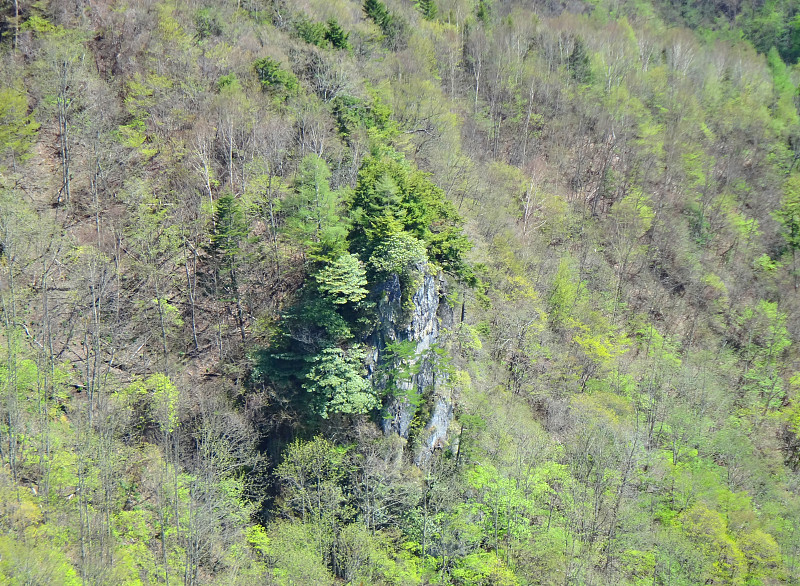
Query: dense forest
(458, 292)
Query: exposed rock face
(421, 325)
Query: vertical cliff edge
(416, 380)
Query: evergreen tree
(313, 211)
(428, 9)
(391, 196)
(394, 29)
(311, 32)
(337, 382)
(271, 75)
(343, 280)
(578, 63)
(228, 232)
(377, 11)
(483, 12)
(336, 35)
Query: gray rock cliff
(421, 324)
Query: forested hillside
(459, 292)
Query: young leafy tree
(764, 341)
(63, 66)
(343, 280)
(310, 479)
(564, 295)
(788, 216)
(17, 127)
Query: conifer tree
(483, 10)
(378, 12)
(228, 233)
(343, 280)
(578, 62)
(336, 35)
(428, 9)
(788, 216)
(313, 211)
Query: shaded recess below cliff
(421, 323)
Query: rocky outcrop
(421, 324)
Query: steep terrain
(393, 292)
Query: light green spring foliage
(17, 127)
(164, 396)
(398, 253)
(621, 173)
(23, 563)
(337, 383)
(314, 210)
(708, 530)
(343, 280)
(294, 557)
(564, 295)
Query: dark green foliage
(322, 34)
(393, 28)
(206, 24)
(308, 326)
(392, 196)
(228, 233)
(351, 112)
(397, 34)
(313, 350)
(315, 321)
(483, 10)
(393, 203)
(788, 215)
(774, 23)
(228, 230)
(377, 11)
(336, 35)
(579, 64)
(311, 32)
(272, 76)
(428, 9)
(314, 212)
